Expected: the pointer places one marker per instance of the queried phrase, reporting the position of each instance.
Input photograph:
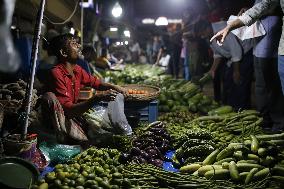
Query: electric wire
(65, 21)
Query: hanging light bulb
(116, 10)
(126, 33)
(162, 21)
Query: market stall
(219, 148)
(196, 143)
(156, 132)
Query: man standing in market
(60, 105)
(238, 71)
(174, 47)
(269, 100)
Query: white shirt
(260, 9)
(143, 59)
(164, 61)
(135, 48)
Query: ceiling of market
(133, 12)
(139, 9)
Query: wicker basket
(14, 105)
(152, 92)
(11, 105)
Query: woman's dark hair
(59, 42)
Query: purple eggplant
(135, 151)
(135, 159)
(136, 143)
(144, 154)
(157, 162)
(167, 136)
(142, 160)
(154, 130)
(149, 134)
(124, 157)
(152, 152)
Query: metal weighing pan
(17, 173)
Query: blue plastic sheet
(45, 171)
(59, 153)
(168, 166)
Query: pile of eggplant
(150, 146)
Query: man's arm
(216, 63)
(94, 82)
(236, 51)
(108, 86)
(78, 109)
(248, 18)
(236, 72)
(258, 10)
(221, 35)
(159, 57)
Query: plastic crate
(148, 110)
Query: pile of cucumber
(179, 95)
(258, 158)
(230, 127)
(225, 128)
(149, 176)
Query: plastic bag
(100, 129)
(248, 32)
(111, 119)
(59, 153)
(10, 61)
(117, 116)
(105, 122)
(97, 119)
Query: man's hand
(120, 90)
(116, 88)
(242, 11)
(108, 95)
(221, 35)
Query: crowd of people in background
(237, 66)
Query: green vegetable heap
(94, 168)
(260, 158)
